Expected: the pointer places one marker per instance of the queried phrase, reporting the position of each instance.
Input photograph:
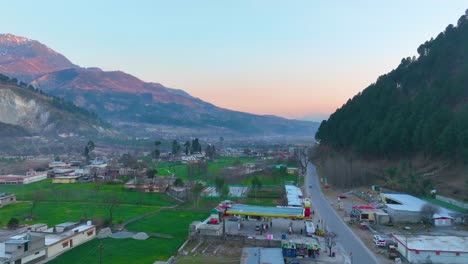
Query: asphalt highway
(345, 238)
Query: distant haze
(286, 58)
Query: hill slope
(421, 107)
(120, 97)
(25, 111)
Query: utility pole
(100, 252)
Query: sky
(295, 59)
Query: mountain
(27, 59)
(409, 129)
(25, 111)
(421, 107)
(120, 97)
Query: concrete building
(6, 199)
(255, 255)
(30, 177)
(433, 249)
(65, 179)
(23, 249)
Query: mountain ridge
(119, 96)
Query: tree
(151, 173)
(219, 184)
(196, 147)
(256, 185)
(111, 202)
(427, 211)
(175, 147)
(88, 149)
(178, 182)
(196, 191)
(210, 151)
(37, 197)
(13, 223)
(187, 147)
(156, 152)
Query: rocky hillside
(120, 97)
(26, 111)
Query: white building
(433, 249)
(23, 248)
(294, 195)
(403, 207)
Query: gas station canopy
(252, 210)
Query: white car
(380, 241)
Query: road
(345, 237)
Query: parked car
(380, 241)
(233, 218)
(257, 228)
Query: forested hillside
(421, 107)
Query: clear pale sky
(296, 59)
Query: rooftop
(404, 202)
(434, 243)
(288, 212)
(251, 255)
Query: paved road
(345, 237)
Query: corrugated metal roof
(408, 202)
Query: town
(217, 205)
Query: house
(58, 164)
(432, 249)
(23, 248)
(65, 236)
(157, 184)
(30, 177)
(6, 199)
(442, 220)
(292, 170)
(65, 179)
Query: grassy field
(214, 166)
(445, 205)
(53, 213)
(119, 251)
(171, 222)
(84, 192)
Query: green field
(171, 222)
(52, 213)
(445, 205)
(84, 192)
(213, 168)
(120, 251)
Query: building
(255, 255)
(24, 248)
(292, 170)
(432, 249)
(294, 195)
(403, 207)
(65, 179)
(30, 177)
(442, 220)
(58, 164)
(6, 199)
(157, 184)
(63, 237)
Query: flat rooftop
(253, 210)
(252, 255)
(434, 243)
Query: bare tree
(427, 212)
(111, 202)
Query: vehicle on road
(310, 228)
(380, 241)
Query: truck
(309, 228)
